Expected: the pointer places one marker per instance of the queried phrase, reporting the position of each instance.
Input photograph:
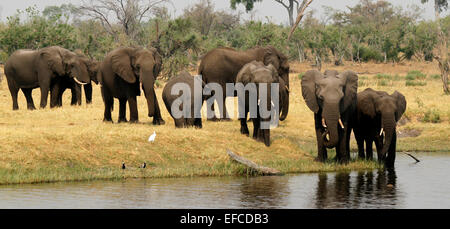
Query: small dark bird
(123, 165)
(144, 165)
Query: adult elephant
(332, 98)
(257, 73)
(121, 73)
(185, 115)
(29, 69)
(377, 114)
(221, 65)
(64, 83)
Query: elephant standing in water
(183, 80)
(29, 69)
(256, 72)
(68, 83)
(221, 65)
(377, 114)
(332, 98)
(121, 74)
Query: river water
(411, 185)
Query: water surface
(411, 185)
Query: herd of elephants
(332, 96)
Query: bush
(300, 75)
(435, 76)
(415, 74)
(383, 76)
(432, 116)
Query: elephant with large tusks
(377, 114)
(29, 69)
(64, 83)
(221, 65)
(121, 74)
(332, 98)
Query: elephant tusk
(340, 123)
(289, 91)
(381, 132)
(78, 82)
(323, 123)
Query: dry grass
(72, 143)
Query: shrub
(432, 116)
(383, 76)
(412, 75)
(435, 76)
(382, 83)
(300, 75)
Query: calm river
(411, 185)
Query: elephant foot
(213, 119)
(31, 108)
(158, 121)
(122, 120)
(245, 131)
(225, 119)
(108, 120)
(134, 121)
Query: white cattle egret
(152, 137)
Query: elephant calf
(184, 114)
(256, 72)
(377, 114)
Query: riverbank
(72, 143)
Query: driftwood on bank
(252, 165)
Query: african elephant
(256, 72)
(29, 69)
(332, 98)
(221, 65)
(68, 83)
(184, 79)
(121, 73)
(377, 114)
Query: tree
(128, 13)
(442, 53)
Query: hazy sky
(267, 9)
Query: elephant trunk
(285, 107)
(80, 74)
(388, 125)
(331, 119)
(148, 81)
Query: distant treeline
(366, 32)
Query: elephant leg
(108, 100)
(44, 83)
(60, 95)
(378, 146)
(28, 96)
(54, 95)
(223, 110)
(157, 119)
(14, 90)
(322, 154)
(88, 93)
(341, 150)
(134, 115)
(390, 159)
(198, 123)
(360, 143)
(369, 148)
(256, 128)
(244, 127)
(211, 113)
(76, 95)
(122, 110)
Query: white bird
(152, 137)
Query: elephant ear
(401, 104)
(121, 65)
(366, 103)
(350, 89)
(275, 76)
(158, 62)
(309, 89)
(245, 74)
(54, 60)
(271, 57)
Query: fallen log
(252, 165)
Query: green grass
(415, 74)
(413, 83)
(432, 116)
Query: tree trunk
(442, 55)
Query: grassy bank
(72, 143)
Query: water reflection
(345, 190)
(264, 192)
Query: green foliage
(36, 32)
(300, 75)
(435, 76)
(249, 4)
(415, 83)
(415, 74)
